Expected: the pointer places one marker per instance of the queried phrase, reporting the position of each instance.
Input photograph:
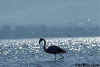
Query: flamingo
(52, 49)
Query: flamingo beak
(41, 39)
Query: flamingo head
(41, 39)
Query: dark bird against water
(52, 49)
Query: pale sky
(50, 12)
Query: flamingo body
(52, 49)
(55, 50)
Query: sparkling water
(28, 52)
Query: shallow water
(28, 53)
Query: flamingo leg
(55, 57)
(61, 59)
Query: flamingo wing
(55, 49)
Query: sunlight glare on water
(29, 51)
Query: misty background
(49, 18)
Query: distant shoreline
(47, 37)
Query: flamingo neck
(44, 47)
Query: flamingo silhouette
(52, 49)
